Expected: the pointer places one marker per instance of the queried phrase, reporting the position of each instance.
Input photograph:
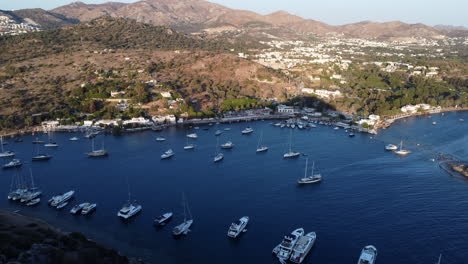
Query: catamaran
(284, 249)
(14, 163)
(312, 178)
(290, 153)
(302, 247)
(260, 146)
(237, 228)
(168, 154)
(184, 227)
(368, 255)
(3, 153)
(247, 131)
(95, 153)
(163, 219)
(129, 209)
(401, 151)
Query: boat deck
(302, 243)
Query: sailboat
(260, 146)
(440, 258)
(312, 178)
(97, 153)
(184, 227)
(401, 151)
(189, 146)
(50, 144)
(41, 156)
(32, 193)
(290, 153)
(17, 187)
(3, 153)
(130, 208)
(218, 155)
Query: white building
(171, 119)
(284, 109)
(166, 94)
(138, 121)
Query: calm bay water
(405, 206)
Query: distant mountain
(450, 27)
(196, 15)
(39, 17)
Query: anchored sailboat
(291, 153)
(401, 151)
(97, 153)
(184, 228)
(218, 155)
(130, 208)
(260, 146)
(3, 153)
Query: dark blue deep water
(406, 206)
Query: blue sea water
(407, 207)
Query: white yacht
(248, 130)
(401, 151)
(391, 147)
(312, 178)
(96, 153)
(168, 154)
(189, 147)
(283, 251)
(368, 255)
(237, 228)
(74, 139)
(302, 247)
(260, 146)
(88, 208)
(57, 200)
(129, 209)
(160, 139)
(77, 208)
(192, 136)
(162, 219)
(227, 145)
(218, 155)
(291, 153)
(14, 163)
(184, 227)
(5, 153)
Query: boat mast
(440, 257)
(313, 167)
(260, 140)
(92, 145)
(32, 178)
(1, 143)
(290, 142)
(305, 172)
(183, 205)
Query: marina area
(404, 206)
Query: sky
(334, 12)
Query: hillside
(196, 15)
(40, 17)
(44, 72)
(28, 240)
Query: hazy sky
(335, 12)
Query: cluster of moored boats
(296, 246)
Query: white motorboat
(218, 132)
(189, 147)
(260, 146)
(57, 200)
(336, 128)
(391, 147)
(41, 157)
(30, 195)
(227, 145)
(33, 202)
(5, 153)
(77, 208)
(291, 153)
(283, 251)
(163, 219)
(368, 255)
(312, 178)
(218, 157)
(302, 247)
(74, 139)
(160, 139)
(237, 228)
(15, 163)
(184, 227)
(401, 151)
(434, 123)
(168, 154)
(89, 208)
(61, 205)
(351, 134)
(51, 145)
(192, 136)
(247, 131)
(96, 153)
(129, 209)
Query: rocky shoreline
(28, 240)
